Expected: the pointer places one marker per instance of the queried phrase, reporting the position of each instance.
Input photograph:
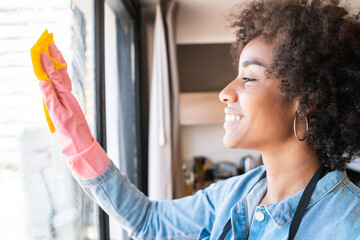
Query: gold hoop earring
(306, 131)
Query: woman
(295, 99)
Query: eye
(248, 79)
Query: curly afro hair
(316, 48)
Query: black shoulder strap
(227, 227)
(225, 230)
(304, 202)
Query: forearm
(140, 217)
(119, 198)
(90, 163)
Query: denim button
(259, 216)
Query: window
(120, 96)
(39, 197)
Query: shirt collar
(282, 213)
(254, 197)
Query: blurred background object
(204, 171)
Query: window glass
(39, 197)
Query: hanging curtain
(177, 164)
(165, 171)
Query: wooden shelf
(201, 108)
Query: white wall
(204, 21)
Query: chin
(237, 144)
(228, 143)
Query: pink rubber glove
(87, 159)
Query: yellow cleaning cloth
(42, 45)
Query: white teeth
(231, 117)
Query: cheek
(267, 114)
(256, 105)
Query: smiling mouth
(232, 117)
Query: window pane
(39, 197)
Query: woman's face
(257, 114)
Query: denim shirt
(333, 211)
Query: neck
(289, 170)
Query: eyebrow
(253, 62)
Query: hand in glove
(86, 157)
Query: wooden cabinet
(201, 108)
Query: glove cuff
(90, 163)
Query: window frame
(141, 95)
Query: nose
(228, 94)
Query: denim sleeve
(144, 219)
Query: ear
(309, 111)
(296, 104)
